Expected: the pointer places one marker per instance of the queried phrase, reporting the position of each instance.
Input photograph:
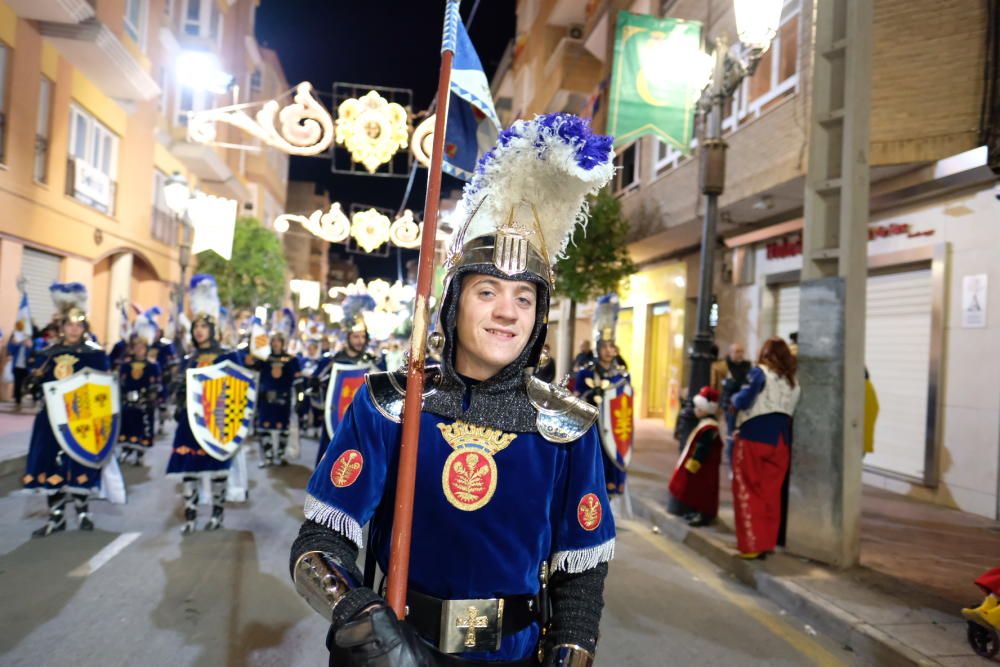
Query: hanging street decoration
(370, 229)
(420, 142)
(405, 232)
(372, 129)
(332, 226)
(303, 127)
(391, 304)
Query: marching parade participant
(278, 372)
(190, 461)
(694, 486)
(51, 468)
(511, 510)
(163, 352)
(309, 359)
(606, 384)
(354, 353)
(139, 379)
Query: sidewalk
(900, 606)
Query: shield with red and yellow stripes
(84, 413)
(617, 422)
(221, 399)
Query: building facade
(92, 123)
(933, 249)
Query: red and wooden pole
(402, 525)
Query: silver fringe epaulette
(388, 390)
(562, 417)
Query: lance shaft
(402, 524)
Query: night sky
(392, 43)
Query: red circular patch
(589, 512)
(469, 479)
(347, 468)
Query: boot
(57, 516)
(266, 451)
(282, 445)
(84, 522)
(218, 500)
(190, 490)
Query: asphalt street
(135, 592)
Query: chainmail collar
(501, 401)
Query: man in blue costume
(277, 375)
(189, 460)
(510, 507)
(139, 380)
(49, 468)
(163, 352)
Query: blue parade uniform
(463, 496)
(140, 385)
(277, 375)
(323, 373)
(188, 457)
(614, 475)
(49, 468)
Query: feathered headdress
(145, 325)
(606, 317)
(355, 306)
(530, 191)
(203, 298)
(70, 300)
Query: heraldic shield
(85, 414)
(617, 423)
(221, 399)
(345, 381)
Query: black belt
(425, 615)
(449, 660)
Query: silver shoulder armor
(562, 417)
(388, 389)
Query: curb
(13, 466)
(868, 641)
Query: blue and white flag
(23, 319)
(473, 124)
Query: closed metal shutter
(786, 310)
(40, 270)
(898, 357)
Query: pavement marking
(747, 603)
(105, 554)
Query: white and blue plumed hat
(71, 300)
(203, 299)
(605, 319)
(529, 194)
(145, 326)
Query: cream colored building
(94, 121)
(933, 221)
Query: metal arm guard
(322, 581)
(569, 655)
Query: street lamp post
(177, 194)
(757, 24)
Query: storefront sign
(792, 247)
(974, 301)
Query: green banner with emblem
(653, 90)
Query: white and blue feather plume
(552, 162)
(67, 296)
(203, 297)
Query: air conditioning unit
(576, 31)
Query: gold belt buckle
(470, 625)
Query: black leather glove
(375, 638)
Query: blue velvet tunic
(548, 503)
(277, 374)
(46, 470)
(140, 379)
(188, 457)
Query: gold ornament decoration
(333, 225)
(370, 229)
(405, 232)
(372, 129)
(422, 141)
(303, 127)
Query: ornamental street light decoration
(757, 24)
(372, 129)
(370, 228)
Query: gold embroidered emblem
(469, 478)
(64, 366)
(347, 468)
(469, 623)
(137, 369)
(589, 512)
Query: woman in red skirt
(761, 447)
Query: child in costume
(139, 380)
(694, 486)
(988, 613)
